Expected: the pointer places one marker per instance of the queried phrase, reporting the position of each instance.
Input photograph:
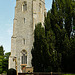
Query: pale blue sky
(7, 9)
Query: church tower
(27, 14)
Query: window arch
(24, 6)
(24, 57)
(40, 7)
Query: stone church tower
(27, 14)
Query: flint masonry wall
(23, 29)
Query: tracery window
(24, 6)
(24, 57)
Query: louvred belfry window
(24, 6)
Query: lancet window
(24, 6)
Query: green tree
(53, 44)
(1, 63)
(66, 49)
(1, 58)
(71, 56)
(54, 57)
(37, 60)
(5, 61)
(1, 50)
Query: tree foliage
(38, 48)
(53, 49)
(3, 60)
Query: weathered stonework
(23, 29)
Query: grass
(68, 74)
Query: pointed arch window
(40, 7)
(24, 6)
(24, 57)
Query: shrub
(11, 72)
